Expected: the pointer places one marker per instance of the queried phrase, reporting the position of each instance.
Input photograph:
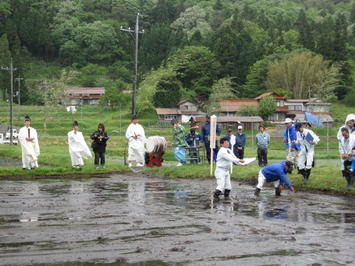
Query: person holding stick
(225, 160)
(206, 138)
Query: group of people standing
(346, 138)
(78, 149)
(299, 140)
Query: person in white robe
(307, 139)
(136, 139)
(78, 148)
(29, 144)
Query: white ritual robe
(136, 150)
(306, 154)
(78, 148)
(30, 149)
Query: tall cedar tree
(306, 36)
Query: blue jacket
(193, 139)
(276, 172)
(206, 132)
(240, 140)
(284, 135)
(291, 134)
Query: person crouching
(225, 160)
(276, 173)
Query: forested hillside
(190, 48)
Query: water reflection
(136, 198)
(143, 219)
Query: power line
(136, 32)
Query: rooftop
(239, 119)
(234, 105)
(84, 91)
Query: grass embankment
(323, 179)
(55, 160)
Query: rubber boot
(277, 191)
(348, 178)
(303, 172)
(352, 180)
(257, 192)
(226, 193)
(216, 194)
(308, 171)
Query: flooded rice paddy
(132, 220)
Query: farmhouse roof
(234, 105)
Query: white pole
(327, 136)
(252, 136)
(213, 127)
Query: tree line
(197, 49)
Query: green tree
(114, 97)
(255, 83)
(5, 57)
(267, 107)
(304, 75)
(352, 13)
(167, 92)
(191, 20)
(222, 89)
(304, 29)
(195, 66)
(248, 110)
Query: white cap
(288, 120)
(240, 127)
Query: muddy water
(142, 221)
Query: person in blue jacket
(206, 138)
(240, 140)
(193, 140)
(291, 138)
(276, 173)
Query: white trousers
(29, 159)
(262, 180)
(292, 156)
(305, 156)
(223, 179)
(136, 152)
(76, 158)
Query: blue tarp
(311, 118)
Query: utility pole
(19, 89)
(11, 69)
(135, 80)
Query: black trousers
(208, 153)
(262, 156)
(239, 153)
(99, 156)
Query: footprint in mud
(177, 249)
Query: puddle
(147, 221)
